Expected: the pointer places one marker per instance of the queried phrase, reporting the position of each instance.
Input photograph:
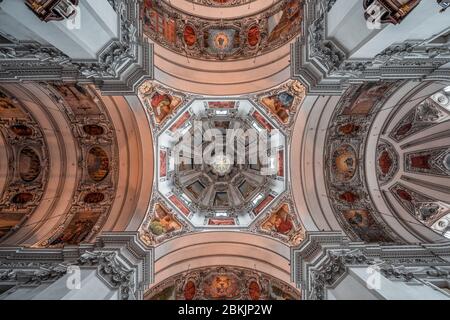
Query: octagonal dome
(221, 163)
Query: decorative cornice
(121, 261)
(324, 67)
(120, 67)
(322, 260)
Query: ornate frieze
(323, 260)
(325, 67)
(225, 39)
(230, 283)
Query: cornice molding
(325, 68)
(122, 262)
(322, 260)
(121, 66)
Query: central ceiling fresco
(221, 163)
(214, 39)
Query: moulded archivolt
(98, 160)
(28, 168)
(344, 158)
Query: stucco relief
(222, 283)
(228, 39)
(429, 162)
(427, 114)
(28, 166)
(424, 208)
(387, 162)
(97, 161)
(344, 158)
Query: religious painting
(22, 198)
(282, 23)
(156, 21)
(189, 290)
(79, 227)
(422, 207)
(368, 96)
(365, 226)
(254, 290)
(221, 287)
(163, 221)
(280, 172)
(29, 164)
(179, 204)
(427, 114)
(221, 40)
(93, 129)
(349, 197)
(180, 122)
(279, 221)
(8, 221)
(262, 121)
(189, 35)
(78, 99)
(9, 109)
(387, 162)
(432, 161)
(280, 105)
(98, 165)
(222, 283)
(263, 204)
(349, 129)
(222, 104)
(221, 222)
(253, 36)
(344, 163)
(163, 105)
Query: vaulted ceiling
(362, 140)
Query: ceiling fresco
(347, 188)
(419, 129)
(225, 39)
(227, 191)
(222, 283)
